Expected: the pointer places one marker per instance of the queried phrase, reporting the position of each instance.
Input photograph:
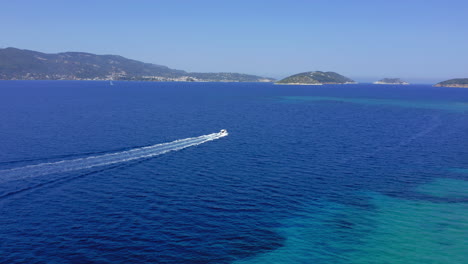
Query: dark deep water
(308, 174)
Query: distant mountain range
(316, 78)
(18, 64)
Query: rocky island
(391, 81)
(459, 83)
(316, 78)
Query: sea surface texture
(136, 172)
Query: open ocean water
(90, 173)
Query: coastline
(156, 81)
(298, 83)
(452, 85)
(312, 83)
(391, 83)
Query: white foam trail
(102, 160)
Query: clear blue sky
(423, 41)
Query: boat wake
(105, 159)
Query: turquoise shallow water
(446, 188)
(396, 231)
(459, 170)
(325, 174)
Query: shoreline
(298, 83)
(313, 83)
(87, 80)
(452, 85)
(390, 83)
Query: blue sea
(137, 172)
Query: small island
(391, 81)
(315, 78)
(459, 83)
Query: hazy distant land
(17, 64)
(391, 81)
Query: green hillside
(317, 78)
(17, 64)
